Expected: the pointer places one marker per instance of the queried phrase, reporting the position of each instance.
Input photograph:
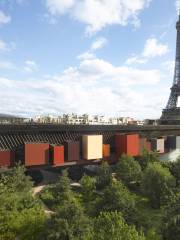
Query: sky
(112, 58)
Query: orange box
(36, 154)
(106, 150)
(128, 144)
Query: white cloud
(59, 6)
(154, 49)
(30, 66)
(96, 45)
(95, 86)
(169, 65)
(6, 65)
(6, 47)
(136, 60)
(99, 14)
(4, 19)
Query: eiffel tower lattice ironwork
(171, 114)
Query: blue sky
(114, 58)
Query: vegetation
(21, 215)
(102, 207)
(158, 184)
(128, 170)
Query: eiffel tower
(171, 114)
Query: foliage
(152, 235)
(147, 218)
(104, 176)
(176, 171)
(56, 194)
(171, 226)
(15, 179)
(69, 223)
(88, 186)
(128, 170)
(116, 197)
(111, 225)
(148, 157)
(21, 215)
(158, 184)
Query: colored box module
(127, 144)
(36, 154)
(92, 147)
(6, 158)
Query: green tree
(116, 197)
(128, 170)
(111, 225)
(69, 223)
(171, 226)
(148, 157)
(21, 215)
(152, 235)
(176, 171)
(158, 184)
(58, 193)
(88, 187)
(104, 176)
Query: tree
(116, 197)
(128, 170)
(104, 176)
(88, 187)
(176, 171)
(148, 157)
(152, 235)
(16, 179)
(21, 215)
(111, 225)
(69, 223)
(158, 184)
(171, 226)
(56, 194)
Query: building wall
(6, 158)
(72, 151)
(106, 150)
(160, 145)
(36, 154)
(58, 155)
(128, 144)
(92, 146)
(133, 145)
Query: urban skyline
(54, 60)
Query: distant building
(151, 122)
(85, 119)
(9, 119)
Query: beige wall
(92, 146)
(160, 145)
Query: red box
(36, 154)
(6, 158)
(128, 144)
(58, 155)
